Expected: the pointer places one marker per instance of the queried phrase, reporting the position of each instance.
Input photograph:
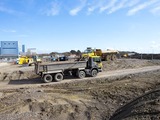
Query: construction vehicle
(106, 55)
(28, 60)
(57, 71)
(25, 60)
(97, 60)
(63, 58)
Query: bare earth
(127, 89)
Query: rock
(1, 94)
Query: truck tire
(94, 73)
(47, 78)
(58, 77)
(108, 58)
(81, 74)
(114, 57)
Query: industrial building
(23, 49)
(9, 49)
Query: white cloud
(96, 4)
(155, 45)
(153, 42)
(22, 36)
(109, 5)
(156, 10)
(141, 7)
(8, 31)
(54, 9)
(6, 10)
(77, 9)
(132, 3)
(91, 9)
(117, 7)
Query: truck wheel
(47, 78)
(108, 58)
(94, 73)
(81, 74)
(114, 57)
(58, 77)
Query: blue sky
(63, 25)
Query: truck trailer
(106, 55)
(57, 71)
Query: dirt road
(38, 82)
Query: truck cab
(98, 62)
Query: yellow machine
(125, 55)
(97, 60)
(89, 52)
(28, 60)
(25, 60)
(106, 55)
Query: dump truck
(106, 55)
(57, 71)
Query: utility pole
(141, 56)
(152, 54)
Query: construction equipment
(29, 60)
(106, 55)
(25, 60)
(97, 60)
(57, 71)
(63, 58)
(36, 58)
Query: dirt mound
(128, 64)
(17, 75)
(4, 64)
(125, 97)
(10, 71)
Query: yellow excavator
(106, 55)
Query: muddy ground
(129, 97)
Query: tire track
(129, 109)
